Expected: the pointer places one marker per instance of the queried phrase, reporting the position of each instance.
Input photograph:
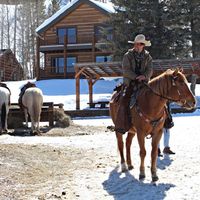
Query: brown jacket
(128, 66)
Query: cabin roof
(4, 51)
(105, 8)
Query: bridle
(181, 99)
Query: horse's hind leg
(121, 151)
(128, 149)
(141, 141)
(154, 153)
(26, 116)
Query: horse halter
(180, 100)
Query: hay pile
(62, 120)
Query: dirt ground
(36, 171)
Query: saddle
(23, 89)
(125, 98)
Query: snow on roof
(108, 7)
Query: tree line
(173, 26)
(18, 21)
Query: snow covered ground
(179, 174)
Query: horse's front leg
(128, 149)
(141, 141)
(154, 154)
(120, 144)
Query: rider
(136, 67)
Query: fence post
(50, 114)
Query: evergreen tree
(171, 26)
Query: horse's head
(179, 90)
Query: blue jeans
(166, 136)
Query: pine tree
(170, 25)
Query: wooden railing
(81, 39)
(47, 114)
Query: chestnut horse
(148, 115)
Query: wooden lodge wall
(10, 69)
(85, 18)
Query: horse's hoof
(155, 178)
(142, 176)
(130, 167)
(124, 167)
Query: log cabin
(10, 68)
(72, 35)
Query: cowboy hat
(141, 39)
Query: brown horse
(148, 115)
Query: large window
(58, 64)
(70, 33)
(103, 58)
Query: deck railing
(80, 39)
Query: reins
(165, 97)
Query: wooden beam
(78, 93)
(37, 58)
(65, 56)
(90, 84)
(108, 74)
(79, 71)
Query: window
(61, 33)
(1, 75)
(70, 64)
(58, 64)
(14, 76)
(70, 33)
(103, 58)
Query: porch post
(37, 58)
(90, 83)
(65, 56)
(77, 89)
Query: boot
(159, 153)
(167, 150)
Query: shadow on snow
(123, 186)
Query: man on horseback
(137, 67)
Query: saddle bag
(168, 123)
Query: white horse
(32, 101)
(4, 107)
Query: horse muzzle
(189, 105)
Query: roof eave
(69, 10)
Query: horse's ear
(175, 73)
(181, 69)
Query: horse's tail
(37, 107)
(3, 115)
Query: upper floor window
(69, 33)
